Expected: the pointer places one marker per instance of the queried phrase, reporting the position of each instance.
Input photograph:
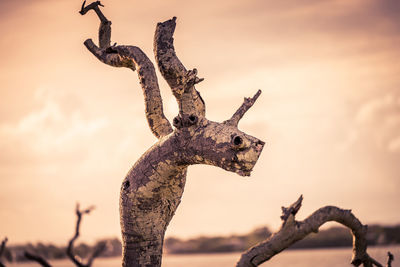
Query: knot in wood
(184, 120)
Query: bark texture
(292, 231)
(152, 189)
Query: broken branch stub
(152, 189)
(247, 104)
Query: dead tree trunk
(152, 189)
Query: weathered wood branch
(39, 259)
(171, 68)
(133, 58)
(105, 24)
(247, 104)
(292, 231)
(153, 188)
(70, 253)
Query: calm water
(293, 258)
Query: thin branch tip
(247, 104)
(85, 9)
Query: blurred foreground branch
(70, 249)
(2, 249)
(292, 231)
(390, 259)
(37, 258)
(98, 249)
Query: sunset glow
(71, 127)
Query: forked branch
(98, 250)
(292, 231)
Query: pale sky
(71, 127)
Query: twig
(95, 7)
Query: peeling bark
(152, 189)
(292, 231)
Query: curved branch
(37, 258)
(247, 104)
(178, 78)
(292, 231)
(70, 253)
(133, 58)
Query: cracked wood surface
(152, 189)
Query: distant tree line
(332, 237)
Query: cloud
(394, 145)
(49, 129)
(377, 122)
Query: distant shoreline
(331, 238)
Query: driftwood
(292, 231)
(152, 189)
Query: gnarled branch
(39, 259)
(133, 58)
(178, 78)
(70, 253)
(292, 231)
(247, 104)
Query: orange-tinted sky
(71, 127)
